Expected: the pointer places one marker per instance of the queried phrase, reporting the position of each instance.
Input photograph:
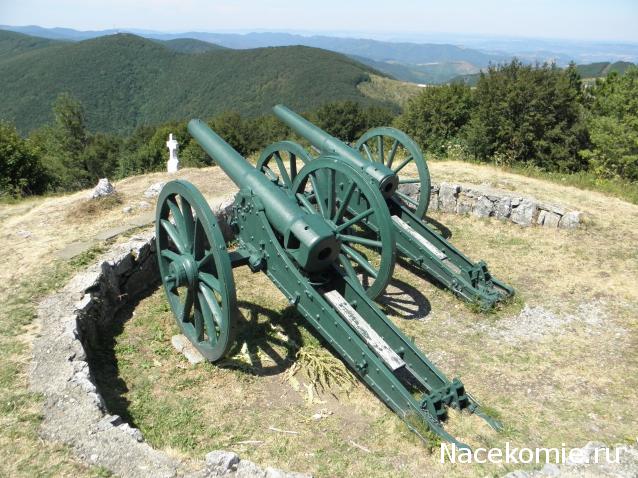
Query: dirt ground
(559, 365)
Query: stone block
(465, 204)
(448, 195)
(548, 219)
(484, 207)
(183, 346)
(503, 208)
(571, 220)
(525, 213)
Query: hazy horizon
(613, 21)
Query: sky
(603, 20)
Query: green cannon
(298, 246)
(384, 153)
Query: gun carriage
(298, 240)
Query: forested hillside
(125, 81)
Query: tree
(62, 145)
(436, 115)
(613, 126)
(21, 172)
(529, 114)
(343, 119)
(101, 155)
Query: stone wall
(483, 201)
(74, 411)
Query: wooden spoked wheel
(358, 215)
(397, 150)
(195, 269)
(281, 161)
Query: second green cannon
(382, 155)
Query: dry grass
(90, 208)
(570, 383)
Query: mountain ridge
(125, 81)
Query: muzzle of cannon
(273, 226)
(390, 151)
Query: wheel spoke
(188, 305)
(208, 256)
(210, 280)
(177, 213)
(305, 203)
(213, 305)
(380, 148)
(198, 322)
(331, 193)
(174, 235)
(393, 152)
(367, 151)
(407, 199)
(409, 181)
(207, 314)
(359, 217)
(282, 170)
(293, 166)
(189, 223)
(344, 204)
(347, 266)
(320, 203)
(360, 240)
(402, 165)
(359, 259)
(170, 255)
(269, 173)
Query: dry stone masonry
(74, 411)
(483, 201)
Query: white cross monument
(173, 160)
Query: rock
(127, 209)
(503, 208)
(550, 470)
(548, 219)
(74, 249)
(24, 234)
(154, 190)
(247, 469)
(525, 213)
(571, 220)
(465, 204)
(412, 190)
(448, 195)
(222, 461)
(584, 455)
(183, 346)
(103, 189)
(223, 211)
(144, 206)
(276, 473)
(434, 200)
(518, 474)
(484, 207)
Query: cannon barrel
(307, 237)
(385, 177)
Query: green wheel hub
(354, 208)
(281, 161)
(195, 269)
(396, 150)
